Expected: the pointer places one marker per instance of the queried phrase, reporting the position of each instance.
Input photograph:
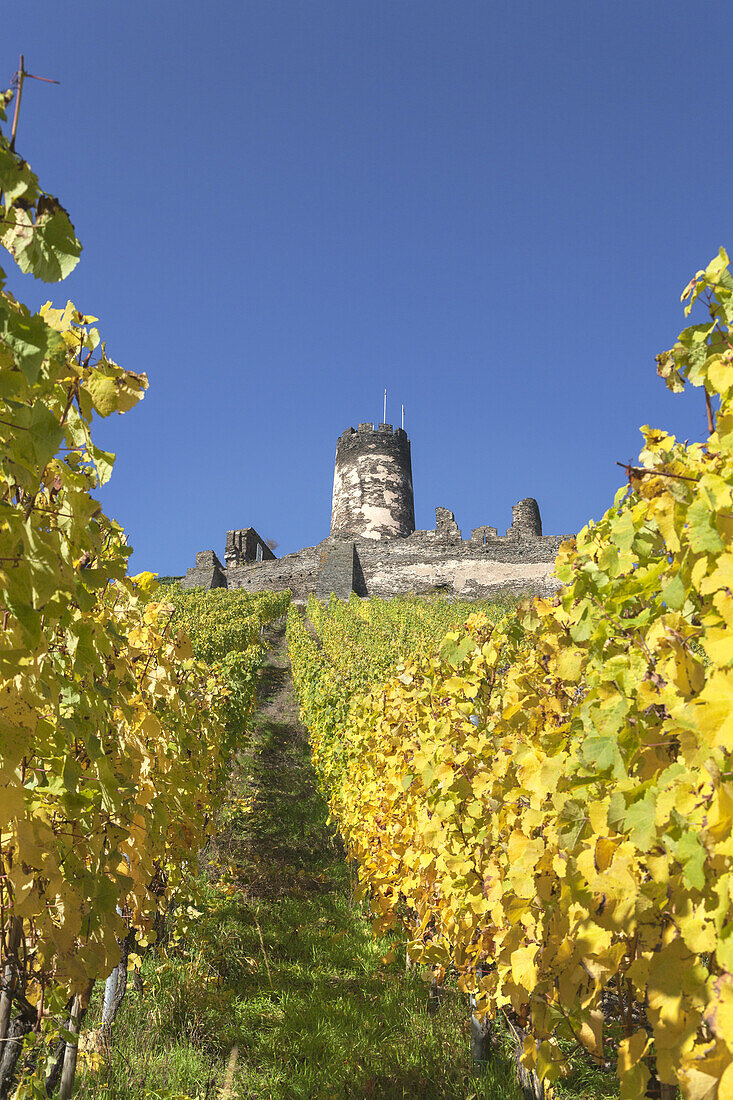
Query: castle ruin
(373, 548)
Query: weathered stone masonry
(207, 573)
(246, 546)
(372, 484)
(241, 547)
(374, 549)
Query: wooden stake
(69, 1070)
(6, 998)
(22, 74)
(21, 78)
(227, 1091)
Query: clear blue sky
(287, 205)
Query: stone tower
(372, 484)
(526, 518)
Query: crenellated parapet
(526, 524)
(481, 534)
(368, 429)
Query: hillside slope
(280, 990)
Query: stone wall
(421, 565)
(374, 549)
(207, 573)
(445, 524)
(336, 570)
(246, 546)
(298, 572)
(481, 534)
(459, 568)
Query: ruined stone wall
(207, 573)
(242, 547)
(372, 484)
(525, 518)
(421, 565)
(465, 569)
(374, 549)
(445, 524)
(336, 574)
(481, 534)
(298, 572)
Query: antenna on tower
(403, 418)
(384, 418)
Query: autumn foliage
(547, 804)
(112, 732)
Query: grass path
(281, 980)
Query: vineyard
(352, 646)
(537, 799)
(544, 804)
(115, 722)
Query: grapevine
(546, 803)
(112, 732)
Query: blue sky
(287, 205)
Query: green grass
(282, 965)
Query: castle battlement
(369, 430)
(373, 547)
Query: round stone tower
(526, 518)
(372, 484)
